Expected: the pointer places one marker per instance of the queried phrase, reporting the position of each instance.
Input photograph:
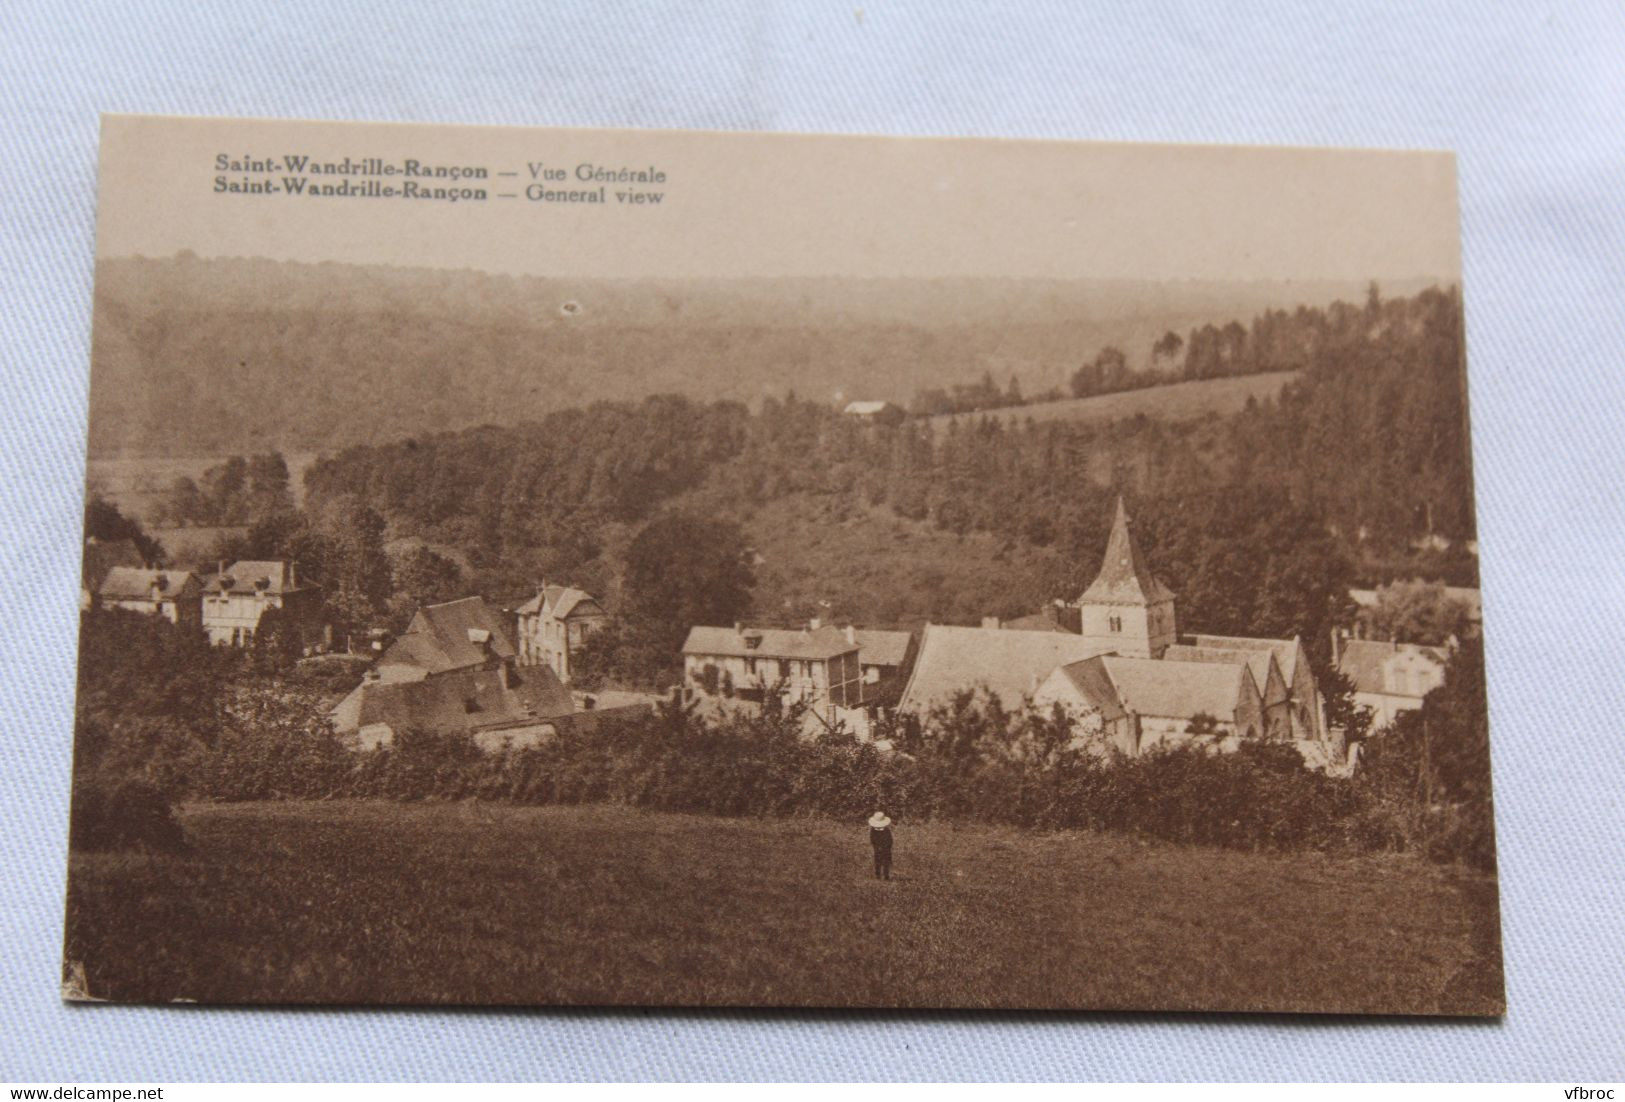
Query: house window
(1116, 623)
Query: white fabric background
(1532, 97)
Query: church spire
(1124, 577)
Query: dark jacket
(880, 839)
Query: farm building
(520, 707)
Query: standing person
(880, 839)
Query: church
(1114, 660)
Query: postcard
(592, 567)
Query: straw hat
(879, 821)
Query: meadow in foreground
(478, 903)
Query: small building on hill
(466, 634)
(555, 624)
(1141, 703)
(875, 412)
(173, 595)
(237, 597)
(1390, 678)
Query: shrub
(122, 813)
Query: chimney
(293, 574)
(990, 622)
(504, 675)
(852, 635)
(1337, 646)
(815, 623)
(739, 628)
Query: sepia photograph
(657, 568)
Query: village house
(174, 595)
(818, 664)
(453, 637)
(1141, 703)
(101, 556)
(236, 597)
(1390, 678)
(555, 624)
(499, 706)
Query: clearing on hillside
(1169, 402)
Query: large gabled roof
(749, 642)
(1287, 651)
(1124, 577)
(465, 701)
(1009, 664)
(256, 576)
(132, 583)
(452, 636)
(1258, 660)
(1176, 690)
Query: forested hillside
(1258, 519)
(251, 355)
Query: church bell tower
(1126, 609)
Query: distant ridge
(225, 356)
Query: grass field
(1170, 402)
(482, 903)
